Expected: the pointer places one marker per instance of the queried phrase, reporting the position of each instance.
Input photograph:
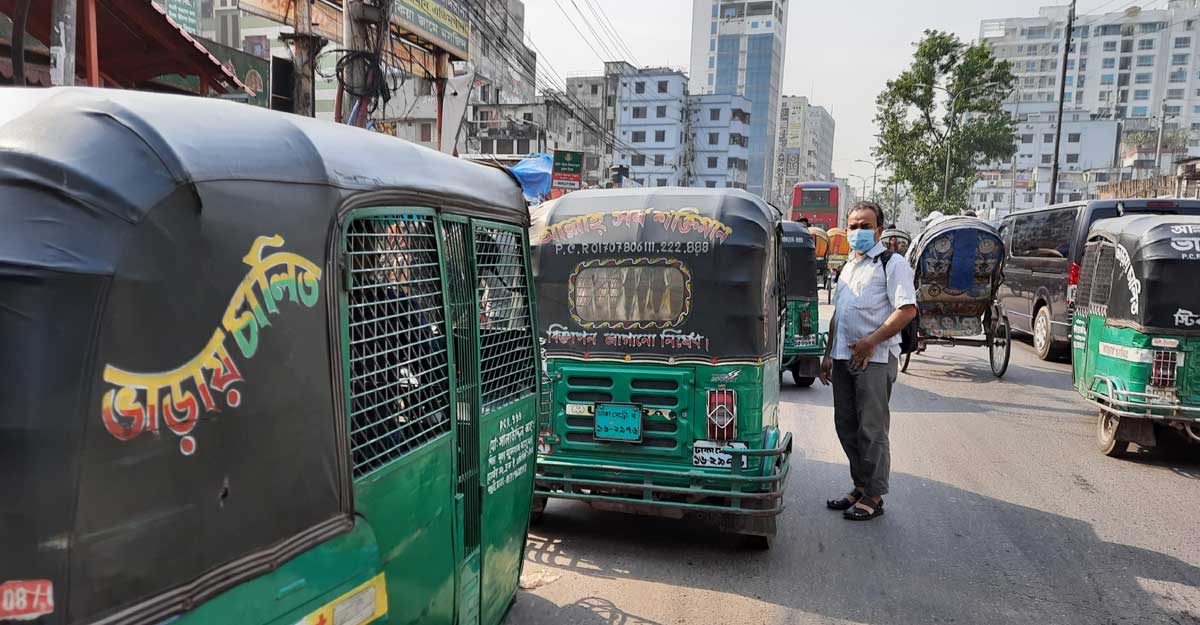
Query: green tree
(890, 196)
(948, 98)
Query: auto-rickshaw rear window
(627, 291)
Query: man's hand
(861, 352)
(826, 370)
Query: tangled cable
(375, 87)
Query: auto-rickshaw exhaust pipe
(1192, 432)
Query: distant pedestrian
(803, 220)
(873, 301)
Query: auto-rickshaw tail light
(1164, 371)
(721, 425)
(1073, 276)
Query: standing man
(873, 302)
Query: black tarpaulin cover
(1153, 279)
(661, 274)
(168, 414)
(801, 267)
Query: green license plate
(619, 422)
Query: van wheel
(1043, 338)
(1106, 435)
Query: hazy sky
(839, 53)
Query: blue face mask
(862, 239)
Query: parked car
(1045, 246)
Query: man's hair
(867, 205)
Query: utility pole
(305, 48)
(1062, 91)
(1162, 123)
(354, 32)
(63, 21)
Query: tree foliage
(917, 121)
(890, 196)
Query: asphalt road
(1001, 511)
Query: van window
(1047, 234)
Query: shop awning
(135, 42)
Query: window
(595, 89)
(1104, 96)
(1145, 60)
(1139, 111)
(1175, 94)
(1179, 59)
(1072, 137)
(639, 112)
(656, 292)
(1046, 159)
(426, 133)
(1108, 63)
(637, 160)
(1141, 94)
(659, 160)
(1048, 138)
(714, 114)
(1072, 158)
(1108, 29)
(1107, 79)
(399, 384)
(712, 62)
(1026, 138)
(660, 136)
(714, 138)
(1046, 234)
(1177, 76)
(638, 136)
(1146, 44)
(712, 162)
(1183, 42)
(1110, 46)
(661, 182)
(711, 184)
(1143, 78)
(1171, 109)
(662, 86)
(660, 111)
(639, 87)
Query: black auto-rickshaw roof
(714, 203)
(1151, 237)
(121, 152)
(795, 235)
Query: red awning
(135, 42)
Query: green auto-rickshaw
(659, 310)
(803, 344)
(257, 369)
(1136, 329)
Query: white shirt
(865, 297)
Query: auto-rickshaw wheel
(799, 380)
(999, 346)
(1106, 435)
(536, 509)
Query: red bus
(818, 201)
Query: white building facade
(651, 126)
(719, 129)
(738, 49)
(803, 146)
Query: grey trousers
(862, 419)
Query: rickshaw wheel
(998, 340)
(904, 365)
(1106, 435)
(758, 543)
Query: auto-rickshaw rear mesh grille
(1165, 369)
(463, 314)
(399, 375)
(506, 363)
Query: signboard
(183, 13)
(327, 19)
(253, 71)
(567, 172)
(444, 23)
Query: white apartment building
(1127, 65)
(651, 127)
(738, 49)
(719, 130)
(803, 146)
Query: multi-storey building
(651, 126)
(597, 96)
(718, 128)
(1133, 64)
(803, 146)
(738, 48)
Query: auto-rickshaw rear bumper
(1138, 405)
(740, 492)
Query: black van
(1045, 246)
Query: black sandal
(845, 503)
(857, 513)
